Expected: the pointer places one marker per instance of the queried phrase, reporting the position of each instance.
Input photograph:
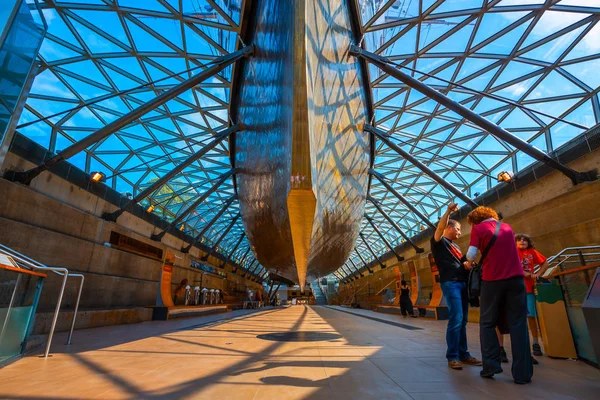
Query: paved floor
(240, 356)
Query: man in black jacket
(453, 280)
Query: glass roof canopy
(541, 55)
(107, 57)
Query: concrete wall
(552, 211)
(58, 224)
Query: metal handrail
(76, 306)
(59, 271)
(561, 259)
(552, 258)
(385, 287)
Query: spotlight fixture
(182, 227)
(422, 227)
(98, 176)
(150, 209)
(505, 176)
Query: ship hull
(302, 157)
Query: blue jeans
(456, 297)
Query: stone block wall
(551, 210)
(59, 224)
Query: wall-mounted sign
(207, 268)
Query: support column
(275, 293)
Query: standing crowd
(506, 299)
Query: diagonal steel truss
(102, 59)
(525, 55)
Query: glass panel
(17, 53)
(17, 296)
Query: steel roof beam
(387, 243)
(365, 265)
(234, 248)
(165, 178)
(362, 236)
(244, 256)
(193, 206)
(348, 274)
(211, 223)
(356, 270)
(391, 221)
(219, 64)
(412, 208)
(488, 126)
(225, 232)
(384, 137)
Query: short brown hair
(480, 214)
(452, 223)
(528, 239)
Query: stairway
(320, 299)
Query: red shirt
(529, 259)
(502, 260)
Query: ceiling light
(505, 176)
(98, 176)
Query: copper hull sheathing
(302, 157)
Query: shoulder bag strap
(489, 246)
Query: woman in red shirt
(530, 257)
(502, 288)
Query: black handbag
(474, 282)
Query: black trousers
(505, 296)
(406, 306)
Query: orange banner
(165, 298)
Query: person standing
(406, 306)
(530, 257)
(453, 280)
(502, 286)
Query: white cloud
(553, 21)
(48, 84)
(49, 15)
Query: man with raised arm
(453, 280)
